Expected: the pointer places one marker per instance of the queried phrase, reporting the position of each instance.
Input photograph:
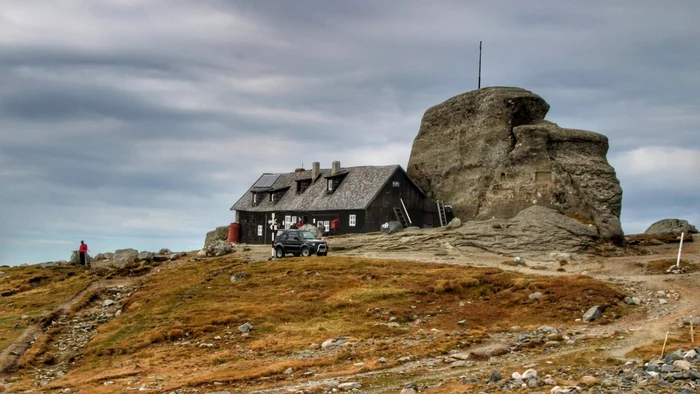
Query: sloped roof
(357, 190)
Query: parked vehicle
(298, 243)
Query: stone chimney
(335, 167)
(315, 171)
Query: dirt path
(11, 354)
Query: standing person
(321, 227)
(82, 251)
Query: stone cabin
(362, 198)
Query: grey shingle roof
(357, 190)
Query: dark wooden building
(361, 198)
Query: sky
(138, 123)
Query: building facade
(360, 199)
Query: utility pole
(479, 85)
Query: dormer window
(330, 186)
(302, 185)
(272, 197)
(255, 199)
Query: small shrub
(175, 334)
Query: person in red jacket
(82, 251)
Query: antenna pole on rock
(479, 85)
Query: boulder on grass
(123, 257)
(145, 256)
(671, 227)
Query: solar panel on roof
(266, 180)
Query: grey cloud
(125, 105)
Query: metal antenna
(479, 85)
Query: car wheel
(279, 252)
(305, 251)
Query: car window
(307, 235)
(282, 237)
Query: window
(395, 184)
(303, 185)
(287, 221)
(352, 220)
(260, 230)
(330, 185)
(272, 197)
(294, 220)
(327, 225)
(255, 199)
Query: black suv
(298, 243)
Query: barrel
(234, 233)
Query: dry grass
(659, 267)
(35, 291)
(293, 303)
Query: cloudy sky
(138, 124)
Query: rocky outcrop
(671, 227)
(536, 231)
(218, 234)
(490, 154)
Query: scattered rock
(519, 260)
(108, 302)
(238, 276)
(633, 301)
(535, 296)
(246, 327)
(123, 257)
(202, 253)
(349, 386)
(529, 374)
(495, 377)
(454, 223)
(333, 342)
(145, 256)
(288, 371)
(219, 248)
(593, 313)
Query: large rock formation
(490, 153)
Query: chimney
(315, 171)
(335, 167)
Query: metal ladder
(398, 212)
(442, 214)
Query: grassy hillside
(181, 325)
(31, 292)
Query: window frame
(352, 220)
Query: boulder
(219, 248)
(391, 227)
(165, 252)
(312, 229)
(74, 259)
(218, 234)
(593, 313)
(123, 257)
(145, 256)
(671, 227)
(108, 256)
(491, 154)
(454, 223)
